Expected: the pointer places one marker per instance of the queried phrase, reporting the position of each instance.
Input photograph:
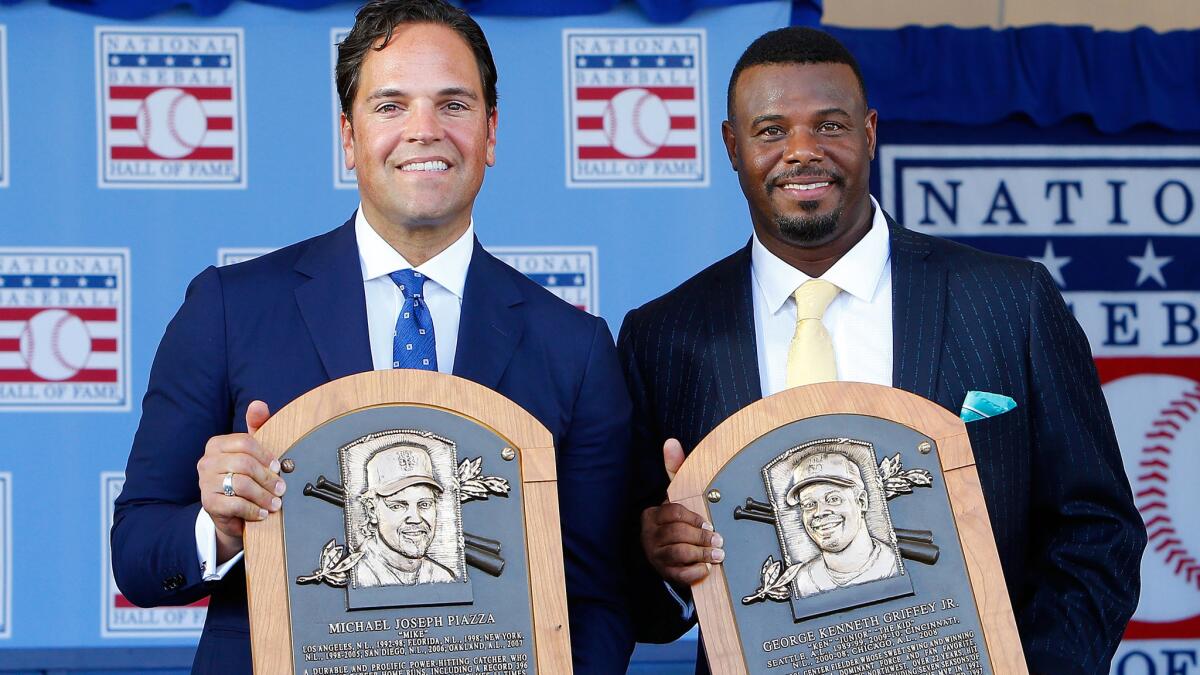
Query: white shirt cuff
(686, 609)
(206, 549)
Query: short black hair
(378, 19)
(794, 44)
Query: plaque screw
(288, 465)
(924, 447)
(714, 496)
(508, 454)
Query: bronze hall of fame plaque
(856, 539)
(414, 536)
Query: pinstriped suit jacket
(1069, 537)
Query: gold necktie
(810, 356)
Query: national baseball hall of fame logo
(570, 272)
(1118, 228)
(64, 329)
(636, 107)
(118, 616)
(171, 107)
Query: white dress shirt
(446, 277)
(859, 319)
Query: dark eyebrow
(765, 118)
(832, 111)
(448, 91)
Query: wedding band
(227, 485)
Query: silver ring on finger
(227, 485)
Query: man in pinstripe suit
(923, 314)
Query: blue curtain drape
(661, 11)
(1049, 73)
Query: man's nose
(423, 124)
(804, 147)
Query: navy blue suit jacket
(277, 326)
(1069, 537)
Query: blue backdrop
(106, 221)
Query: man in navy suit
(404, 283)
(922, 314)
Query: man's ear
(862, 499)
(369, 510)
(347, 131)
(730, 139)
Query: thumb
(672, 457)
(256, 416)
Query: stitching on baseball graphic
(1152, 486)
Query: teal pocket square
(980, 405)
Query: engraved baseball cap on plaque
(846, 509)
(404, 544)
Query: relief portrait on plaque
(828, 489)
(401, 495)
(829, 507)
(402, 510)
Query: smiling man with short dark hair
(403, 283)
(831, 288)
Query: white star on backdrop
(661, 62)
(1053, 263)
(608, 61)
(634, 62)
(1150, 265)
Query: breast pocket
(1003, 459)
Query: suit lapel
(333, 304)
(489, 328)
(733, 350)
(918, 312)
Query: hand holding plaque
(434, 546)
(857, 539)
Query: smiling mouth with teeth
(435, 165)
(805, 186)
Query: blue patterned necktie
(412, 344)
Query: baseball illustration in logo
(635, 107)
(636, 122)
(172, 108)
(171, 123)
(64, 329)
(1157, 418)
(55, 344)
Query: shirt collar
(858, 271)
(447, 269)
